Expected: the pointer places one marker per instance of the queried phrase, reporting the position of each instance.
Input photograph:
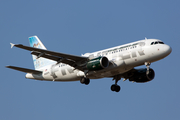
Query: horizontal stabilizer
(25, 70)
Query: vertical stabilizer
(38, 62)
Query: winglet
(12, 45)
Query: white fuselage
(122, 58)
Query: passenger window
(99, 54)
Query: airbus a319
(116, 63)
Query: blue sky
(77, 27)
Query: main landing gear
(116, 87)
(85, 81)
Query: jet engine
(97, 63)
(142, 75)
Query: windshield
(157, 42)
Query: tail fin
(35, 42)
(38, 62)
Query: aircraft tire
(87, 81)
(118, 88)
(82, 80)
(115, 87)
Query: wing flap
(24, 70)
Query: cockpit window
(152, 43)
(157, 42)
(161, 43)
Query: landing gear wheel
(82, 80)
(85, 81)
(118, 88)
(115, 87)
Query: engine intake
(142, 76)
(98, 63)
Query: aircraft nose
(167, 49)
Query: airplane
(116, 62)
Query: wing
(72, 60)
(25, 70)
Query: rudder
(35, 42)
(38, 62)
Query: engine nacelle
(142, 76)
(98, 63)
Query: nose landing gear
(148, 66)
(115, 87)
